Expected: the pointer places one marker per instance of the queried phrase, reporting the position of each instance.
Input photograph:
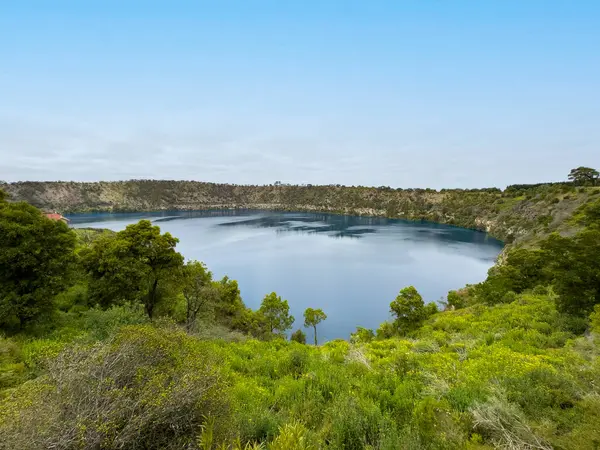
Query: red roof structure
(56, 216)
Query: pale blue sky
(403, 93)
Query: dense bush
(569, 264)
(298, 336)
(145, 389)
(36, 260)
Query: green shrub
(147, 389)
(298, 336)
(353, 423)
(385, 331)
(595, 319)
(541, 389)
(362, 335)
(12, 368)
(38, 353)
(456, 300)
(433, 423)
(293, 363)
(75, 296)
(103, 323)
(294, 436)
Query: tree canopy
(584, 176)
(131, 265)
(276, 313)
(198, 290)
(36, 259)
(410, 310)
(312, 317)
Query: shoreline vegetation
(109, 340)
(519, 213)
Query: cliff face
(515, 215)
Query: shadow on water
(332, 225)
(353, 276)
(338, 226)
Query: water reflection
(337, 226)
(329, 225)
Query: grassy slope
(463, 366)
(466, 378)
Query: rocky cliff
(517, 214)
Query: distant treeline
(517, 214)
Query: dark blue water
(351, 267)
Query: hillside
(110, 340)
(519, 213)
(510, 376)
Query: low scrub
(145, 389)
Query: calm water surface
(351, 267)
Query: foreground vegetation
(113, 341)
(515, 375)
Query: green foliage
(506, 365)
(569, 264)
(510, 215)
(86, 237)
(276, 314)
(589, 214)
(12, 367)
(36, 261)
(230, 309)
(386, 330)
(584, 176)
(74, 297)
(131, 266)
(101, 324)
(457, 299)
(298, 336)
(510, 374)
(149, 389)
(410, 310)
(294, 436)
(313, 317)
(200, 294)
(362, 335)
(595, 319)
(575, 266)
(522, 269)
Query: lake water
(351, 267)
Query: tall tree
(36, 261)
(198, 290)
(130, 265)
(312, 317)
(230, 304)
(584, 176)
(409, 309)
(276, 313)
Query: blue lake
(351, 267)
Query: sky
(422, 93)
